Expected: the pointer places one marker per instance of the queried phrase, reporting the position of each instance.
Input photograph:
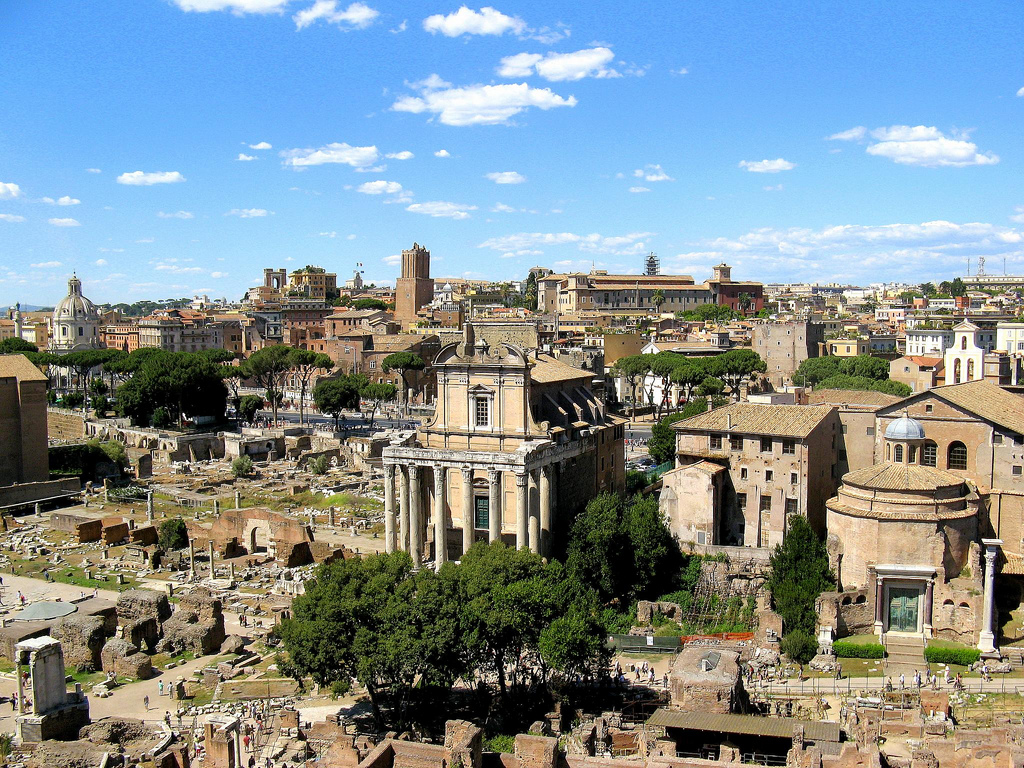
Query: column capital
(467, 473)
(389, 471)
(493, 474)
(414, 470)
(440, 471)
(521, 478)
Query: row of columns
(404, 524)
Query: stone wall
(65, 424)
(25, 493)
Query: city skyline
(179, 146)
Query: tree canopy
(369, 304)
(799, 574)
(15, 344)
(182, 383)
(267, 367)
(816, 369)
(336, 394)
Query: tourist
(160, 687)
(14, 701)
(903, 681)
(145, 702)
(167, 717)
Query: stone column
(533, 478)
(440, 517)
(216, 507)
(879, 607)
(213, 571)
(231, 572)
(987, 638)
(494, 511)
(21, 684)
(415, 517)
(522, 510)
(468, 521)
(545, 509)
(149, 506)
(191, 560)
(389, 508)
(238, 499)
(929, 596)
(403, 508)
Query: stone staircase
(904, 655)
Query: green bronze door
(903, 603)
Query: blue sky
(797, 141)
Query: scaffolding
(652, 264)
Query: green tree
(814, 369)
(662, 445)
(888, 386)
(710, 387)
(530, 297)
(172, 534)
(799, 574)
(928, 289)
(15, 344)
(403, 362)
(336, 394)
(957, 288)
(736, 365)
(865, 365)
(688, 375)
(184, 384)
(249, 406)
(242, 466)
(632, 370)
(305, 363)
(318, 465)
(799, 645)
(377, 393)
(369, 304)
(268, 368)
(657, 298)
(217, 355)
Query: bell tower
(414, 289)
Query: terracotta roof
(851, 397)
(708, 467)
(989, 401)
(547, 369)
(396, 342)
(19, 367)
(924, 361)
(753, 418)
(902, 477)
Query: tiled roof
(751, 418)
(547, 369)
(397, 342)
(989, 401)
(851, 397)
(889, 476)
(19, 367)
(925, 361)
(748, 725)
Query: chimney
(728, 421)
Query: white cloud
(443, 210)
(350, 237)
(176, 215)
(46, 265)
(9, 190)
(767, 166)
(681, 71)
(442, 153)
(355, 16)
(110, 250)
(331, 235)
(639, 189)
(927, 146)
(261, 145)
(249, 213)
(218, 275)
(12, 218)
(242, 157)
(337, 152)
(64, 222)
(143, 179)
(505, 177)
(237, 7)
(66, 200)
(521, 252)
(465, 21)
(403, 155)
(1018, 216)
(549, 36)
(773, 188)
(559, 67)
(851, 134)
(400, 28)
(146, 240)
(93, 170)
(477, 104)
(373, 169)
(652, 172)
(622, 245)
(502, 208)
(177, 269)
(394, 260)
(100, 262)
(380, 187)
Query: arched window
(963, 342)
(970, 370)
(929, 454)
(898, 454)
(956, 458)
(956, 371)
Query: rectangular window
(766, 503)
(482, 516)
(844, 429)
(766, 445)
(870, 431)
(789, 447)
(715, 441)
(483, 412)
(741, 502)
(997, 439)
(792, 506)
(743, 473)
(794, 478)
(736, 442)
(769, 476)
(929, 408)
(1017, 469)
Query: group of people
(637, 673)
(931, 679)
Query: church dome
(75, 306)
(904, 428)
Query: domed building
(76, 321)
(902, 539)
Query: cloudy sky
(167, 147)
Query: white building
(76, 321)
(1010, 337)
(929, 342)
(965, 359)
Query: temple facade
(517, 445)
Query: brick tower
(414, 289)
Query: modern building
(23, 449)
(518, 444)
(743, 469)
(414, 289)
(180, 330)
(76, 321)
